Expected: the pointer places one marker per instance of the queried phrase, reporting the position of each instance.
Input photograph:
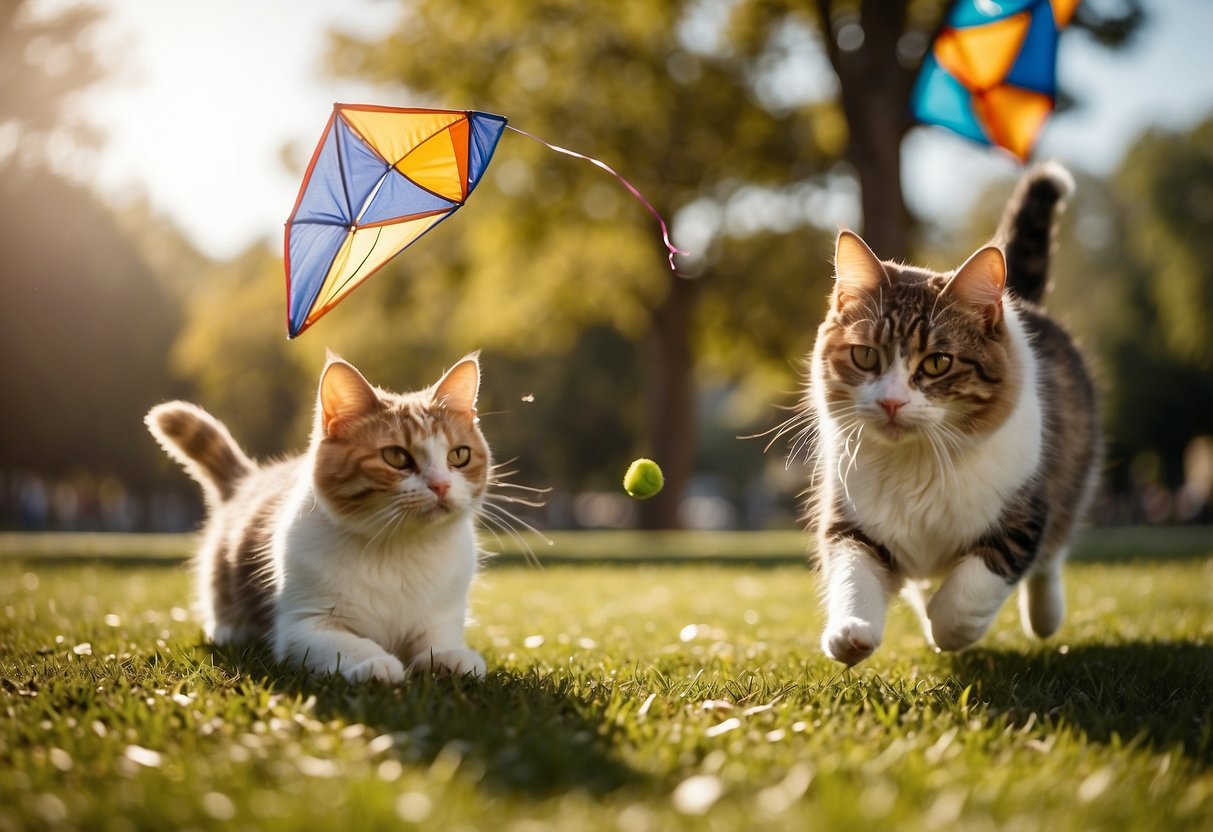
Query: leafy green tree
(617, 82)
(237, 357)
(1166, 186)
(84, 331)
(875, 48)
(1161, 354)
(693, 106)
(42, 66)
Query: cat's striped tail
(1027, 228)
(202, 445)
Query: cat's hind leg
(1042, 602)
(858, 584)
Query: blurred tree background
(759, 126)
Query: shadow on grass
(1152, 692)
(528, 734)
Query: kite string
(665, 232)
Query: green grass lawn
(620, 697)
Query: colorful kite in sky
(380, 178)
(991, 72)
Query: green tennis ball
(643, 479)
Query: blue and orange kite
(380, 178)
(991, 74)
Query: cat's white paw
(850, 640)
(386, 668)
(457, 662)
(957, 634)
(954, 628)
(965, 605)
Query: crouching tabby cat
(357, 556)
(957, 437)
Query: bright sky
(206, 95)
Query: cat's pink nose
(891, 406)
(440, 488)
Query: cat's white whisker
(854, 454)
(518, 487)
(504, 520)
(843, 458)
(496, 524)
(942, 458)
(800, 441)
(391, 516)
(803, 441)
(795, 420)
(509, 498)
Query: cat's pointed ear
(857, 271)
(344, 396)
(980, 282)
(457, 389)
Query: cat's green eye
(937, 363)
(460, 456)
(397, 457)
(865, 358)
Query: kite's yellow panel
(394, 134)
(981, 56)
(364, 251)
(1063, 10)
(1015, 116)
(435, 163)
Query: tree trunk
(670, 400)
(877, 162)
(875, 86)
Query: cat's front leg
(859, 581)
(446, 651)
(457, 661)
(970, 597)
(965, 605)
(324, 650)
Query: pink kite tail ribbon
(665, 232)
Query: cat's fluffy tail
(202, 445)
(1026, 231)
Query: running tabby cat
(957, 439)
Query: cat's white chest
(929, 510)
(927, 515)
(392, 595)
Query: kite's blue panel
(312, 249)
(323, 199)
(938, 98)
(399, 197)
(978, 12)
(1036, 67)
(486, 131)
(361, 166)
